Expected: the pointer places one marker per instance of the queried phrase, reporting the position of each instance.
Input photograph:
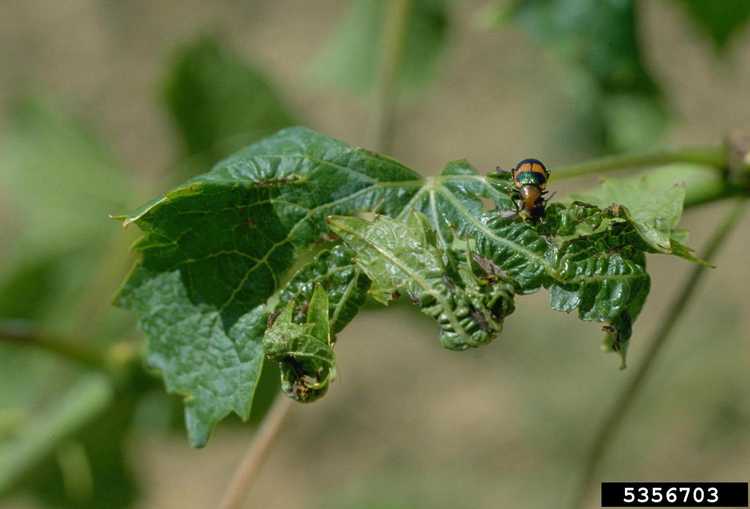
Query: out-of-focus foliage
(64, 183)
(720, 20)
(615, 95)
(72, 454)
(218, 102)
(352, 56)
(60, 182)
(698, 181)
(240, 249)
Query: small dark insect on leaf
(280, 181)
(489, 267)
(302, 311)
(480, 320)
(329, 237)
(272, 317)
(449, 282)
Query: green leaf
(598, 40)
(652, 204)
(217, 248)
(403, 256)
(304, 351)
(219, 103)
(517, 248)
(577, 220)
(344, 282)
(394, 255)
(719, 20)
(352, 56)
(605, 279)
(256, 242)
(453, 200)
(589, 258)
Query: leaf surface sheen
(255, 242)
(218, 247)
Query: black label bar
(674, 494)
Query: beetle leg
(512, 214)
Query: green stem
(715, 157)
(612, 422)
(20, 333)
(386, 93)
(708, 192)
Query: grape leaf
(403, 256)
(601, 274)
(517, 248)
(304, 351)
(247, 244)
(653, 205)
(345, 284)
(351, 57)
(605, 279)
(216, 249)
(454, 198)
(219, 103)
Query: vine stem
(22, 334)
(256, 454)
(386, 93)
(611, 424)
(715, 157)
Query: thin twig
(246, 471)
(384, 108)
(24, 334)
(715, 157)
(612, 422)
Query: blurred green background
(105, 104)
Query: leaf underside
(237, 259)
